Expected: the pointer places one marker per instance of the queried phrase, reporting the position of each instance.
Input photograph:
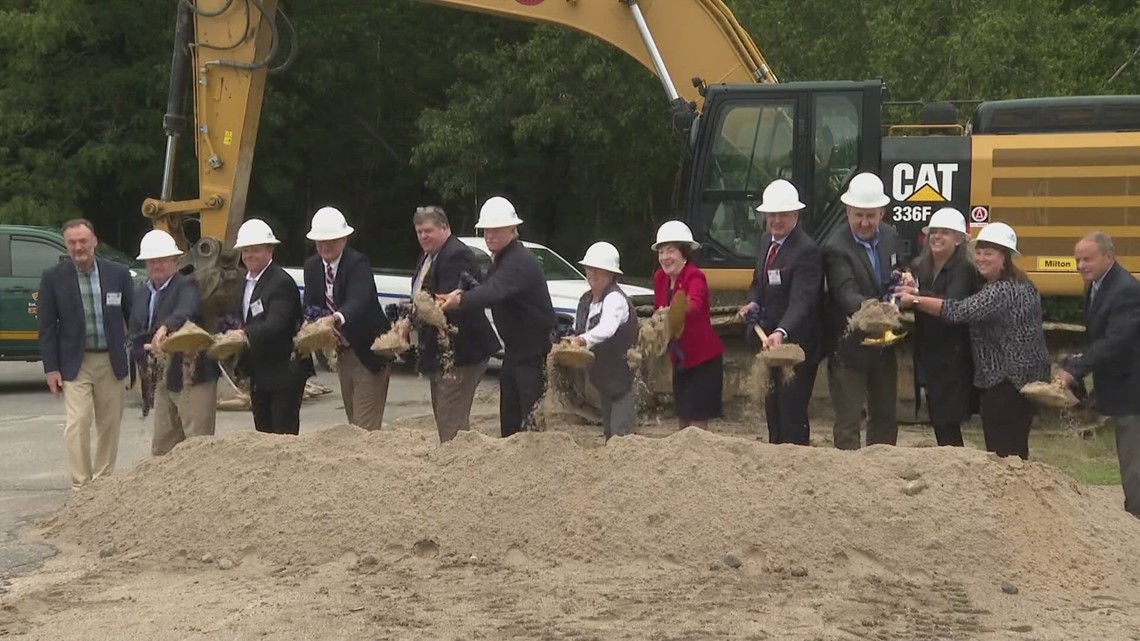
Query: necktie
(422, 276)
(772, 249)
(328, 289)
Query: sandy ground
(344, 534)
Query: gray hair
(431, 213)
(1103, 242)
(78, 222)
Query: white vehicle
(565, 281)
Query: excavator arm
(224, 48)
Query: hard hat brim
(926, 230)
(499, 225)
(604, 268)
(240, 245)
(780, 207)
(345, 233)
(694, 245)
(882, 201)
(155, 256)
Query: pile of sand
(686, 499)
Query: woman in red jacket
(697, 355)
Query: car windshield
(554, 267)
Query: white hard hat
(946, 218)
(999, 234)
(497, 212)
(328, 224)
(865, 191)
(780, 196)
(157, 244)
(602, 255)
(254, 232)
(675, 231)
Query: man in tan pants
(84, 304)
(339, 286)
(185, 402)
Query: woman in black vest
(943, 363)
(606, 323)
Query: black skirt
(697, 391)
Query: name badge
(774, 277)
(114, 299)
(256, 308)
(894, 260)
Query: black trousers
(1006, 417)
(521, 384)
(786, 404)
(277, 411)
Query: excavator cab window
(837, 120)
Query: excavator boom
(224, 49)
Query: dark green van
(25, 252)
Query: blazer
(269, 360)
(850, 281)
(354, 294)
(1112, 352)
(698, 342)
(795, 302)
(62, 329)
(475, 340)
(516, 291)
(177, 303)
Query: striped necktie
(328, 289)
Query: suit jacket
(354, 294)
(62, 329)
(850, 281)
(475, 339)
(516, 291)
(795, 303)
(1112, 355)
(177, 303)
(269, 359)
(698, 342)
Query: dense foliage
(394, 103)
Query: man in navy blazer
(338, 279)
(84, 304)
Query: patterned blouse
(1005, 331)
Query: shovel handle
(762, 335)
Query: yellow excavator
(1052, 167)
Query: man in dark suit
(84, 304)
(185, 403)
(271, 310)
(786, 300)
(1112, 353)
(445, 266)
(860, 258)
(339, 279)
(516, 291)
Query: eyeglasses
(430, 209)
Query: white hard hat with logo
(254, 232)
(865, 191)
(675, 231)
(780, 196)
(604, 256)
(328, 224)
(497, 212)
(999, 234)
(158, 244)
(946, 218)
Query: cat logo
(929, 183)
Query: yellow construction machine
(1054, 168)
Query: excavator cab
(814, 134)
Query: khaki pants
(363, 392)
(877, 387)
(182, 415)
(451, 399)
(1128, 452)
(94, 397)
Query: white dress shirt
(614, 311)
(250, 283)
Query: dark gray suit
(858, 374)
(1112, 356)
(63, 331)
(177, 303)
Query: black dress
(943, 362)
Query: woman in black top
(1006, 336)
(943, 363)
